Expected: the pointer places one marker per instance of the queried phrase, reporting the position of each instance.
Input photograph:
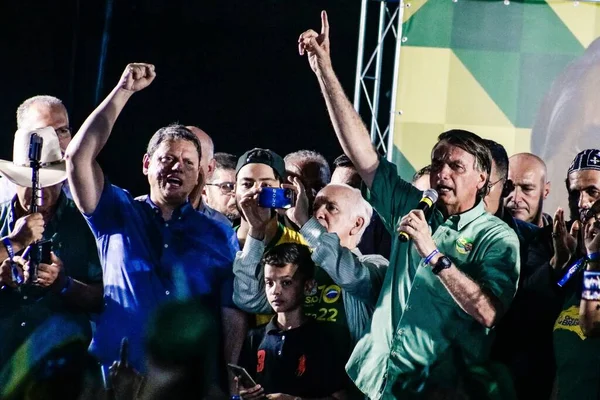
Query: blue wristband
(594, 256)
(430, 256)
(573, 269)
(9, 248)
(11, 254)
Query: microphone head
(431, 194)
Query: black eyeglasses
(225, 187)
(492, 184)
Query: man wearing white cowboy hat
(39, 112)
(71, 285)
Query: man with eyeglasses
(39, 112)
(207, 168)
(219, 192)
(524, 335)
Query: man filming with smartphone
(68, 278)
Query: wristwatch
(442, 263)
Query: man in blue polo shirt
(148, 246)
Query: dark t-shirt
(577, 356)
(307, 361)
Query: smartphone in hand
(243, 376)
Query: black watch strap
(442, 263)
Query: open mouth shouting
(173, 182)
(443, 189)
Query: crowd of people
(200, 290)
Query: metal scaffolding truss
(379, 116)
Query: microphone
(430, 196)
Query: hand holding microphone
(430, 196)
(414, 225)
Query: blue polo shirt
(145, 258)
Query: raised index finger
(124, 351)
(324, 24)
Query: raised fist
(137, 76)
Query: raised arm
(349, 128)
(86, 178)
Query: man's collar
(178, 212)
(202, 207)
(463, 219)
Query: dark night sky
(229, 67)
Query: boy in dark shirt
(294, 356)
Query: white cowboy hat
(53, 169)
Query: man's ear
(210, 169)
(546, 191)
(145, 163)
(310, 287)
(358, 224)
(483, 178)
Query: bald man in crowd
(528, 174)
(207, 166)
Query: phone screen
(244, 377)
(46, 248)
(276, 198)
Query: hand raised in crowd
(255, 393)
(10, 272)
(416, 226)
(565, 243)
(258, 217)
(125, 380)
(299, 214)
(136, 77)
(28, 229)
(316, 46)
(590, 235)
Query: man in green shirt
(447, 286)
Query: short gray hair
(46, 100)
(361, 209)
(309, 155)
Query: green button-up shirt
(419, 335)
(22, 311)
